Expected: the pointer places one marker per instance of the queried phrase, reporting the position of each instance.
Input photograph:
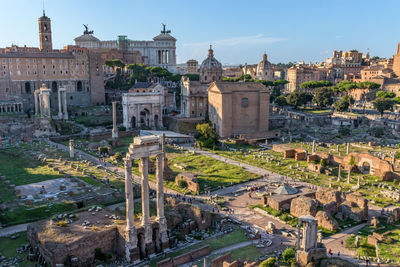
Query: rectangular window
(245, 102)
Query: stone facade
(239, 109)
(25, 69)
(194, 95)
(326, 221)
(303, 206)
(161, 51)
(190, 179)
(143, 107)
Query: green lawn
(8, 249)
(211, 172)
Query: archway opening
(366, 168)
(28, 87)
(156, 240)
(133, 122)
(54, 87)
(79, 86)
(142, 246)
(156, 121)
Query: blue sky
(240, 31)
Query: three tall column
(131, 239)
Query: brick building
(25, 69)
(239, 109)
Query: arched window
(54, 87)
(79, 86)
(28, 87)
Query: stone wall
(327, 196)
(218, 262)
(185, 258)
(303, 206)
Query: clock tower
(46, 44)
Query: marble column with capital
(65, 107)
(60, 114)
(114, 132)
(162, 222)
(148, 232)
(131, 253)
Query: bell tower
(46, 44)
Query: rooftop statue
(87, 29)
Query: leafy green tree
(206, 136)
(289, 255)
(118, 156)
(396, 99)
(270, 262)
(345, 86)
(276, 91)
(383, 104)
(281, 100)
(193, 77)
(368, 85)
(344, 103)
(296, 98)
(385, 94)
(115, 63)
(322, 97)
(139, 73)
(279, 82)
(315, 84)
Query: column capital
(127, 162)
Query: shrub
(289, 255)
(182, 184)
(377, 131)
(103, 150)
(344, 130)
(270, 262)
(62, 223)
(122, 128)
(118, 156)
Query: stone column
(145, 207)
(35, 96)
(313, 146)
(114, 116)
(152, 122)
(298, 234)
(71, 148)
(348, 175)
(45, 102)
(338, 177)
(64, 93)
(131, 238)
(60, 115)
(348, 148)
(162, 222)
(137, 116)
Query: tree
(385, 94)
(206, 136)
(276, 91)
(139, 73)
(115, 63)
(118, 156)
(396, 99)
(289, 255)
(345, 86)
(344, 103)
(193, 77)
(270, 262)
(368, 85)
(281, 100)
(296, 98)
(322, 97)
(383, 104)
(344, 130)
(315, 84)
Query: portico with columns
(11, 106)
(149, 241)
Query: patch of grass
(284, 216)
(8, 249)
(24, 214)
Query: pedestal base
(149, 249)
(313, 255)
(132, 253)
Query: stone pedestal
(71, 148)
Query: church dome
(264, 63)
(210, 62)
